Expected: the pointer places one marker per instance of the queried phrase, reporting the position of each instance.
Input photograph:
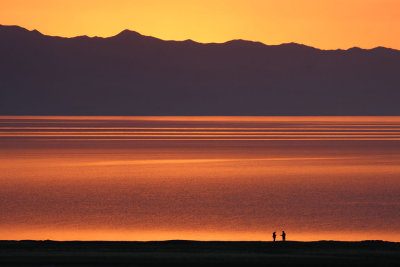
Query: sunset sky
(327, 24)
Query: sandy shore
(193, 253)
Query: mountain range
(132, 74)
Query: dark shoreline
(196, 253)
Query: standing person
(283, 235)
(274, 236)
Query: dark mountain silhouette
(132, 74)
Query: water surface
(203, 178)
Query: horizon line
(197, 42)
(206, 241)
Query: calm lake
(199, 178)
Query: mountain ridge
(128, 32)
(133, 74)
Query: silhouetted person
(274, 236)
(283, 235)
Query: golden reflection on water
(204, 178)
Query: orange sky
(327, 24)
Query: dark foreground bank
(192, 253)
